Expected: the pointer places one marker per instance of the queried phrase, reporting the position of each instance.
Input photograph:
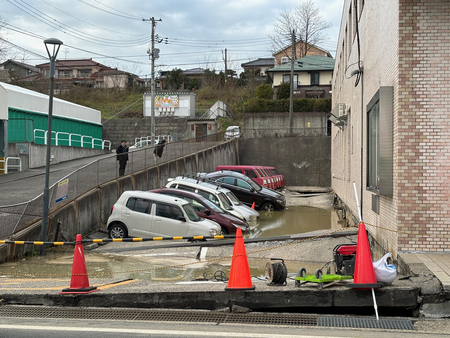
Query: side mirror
(207, 212)
(181, 218)
(252, 190)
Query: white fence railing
(9, 166)
(72, 139)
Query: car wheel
(117, 231)
(223, 231)
(267, 207)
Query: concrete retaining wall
(128, 129)
(304, 161)
(37, 154)
(91, 210)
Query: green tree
(284, 91)
(264, 91)
(176, 79)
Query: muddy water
(156, 266)
(293, 220)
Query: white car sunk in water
(145, 214)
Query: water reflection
(293, 220)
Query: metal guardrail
(72, 139)
(7, 165)
(18, 216)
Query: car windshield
(224, 201)
(190, 212)
(233, 198)
(254, 185)
(212, 206)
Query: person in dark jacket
(159, 149)
(122, 157)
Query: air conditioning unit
(339, 110)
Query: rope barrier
(108, 240)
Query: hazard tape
(108, 240)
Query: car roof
(227, 173)
(153, 196)
(211, 187)
(182, 192)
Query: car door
(137, 216)
(169, 220)
(240, 188)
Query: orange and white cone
(364, 277)
(79, 282)
(240, 278)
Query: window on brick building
(373, 141)
(380, 142)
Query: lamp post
(52, 45)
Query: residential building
(312, 76)
(86, 72)
(193, 74)
(15, 70)
(284, 56)
(260, 65)
(390, 141)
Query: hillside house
(312, 76)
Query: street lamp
(52, 45)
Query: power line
(123, 15)
(41, 16)
(23, 49)
(91, 24)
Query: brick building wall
(404, 44)
(423, 135)
(378, 27)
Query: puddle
(164, 265)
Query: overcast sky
(194, 33)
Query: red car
(207, 209)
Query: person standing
(158, 151)
(122, 157)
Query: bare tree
(304, 25)
(4, 48)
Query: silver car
(222, 197)
(147, 214)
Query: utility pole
(291, 98)
(225, 66)
(153, 55)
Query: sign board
(166, 100)
(62, 192)
(22, 148)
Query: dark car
(207, 209)
(247, 190)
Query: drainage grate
(158, 315)
(366, 323)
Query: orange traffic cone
(364, 276)
(79, 282)
(240, 278)
(253, 206)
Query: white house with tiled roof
(312, 76)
